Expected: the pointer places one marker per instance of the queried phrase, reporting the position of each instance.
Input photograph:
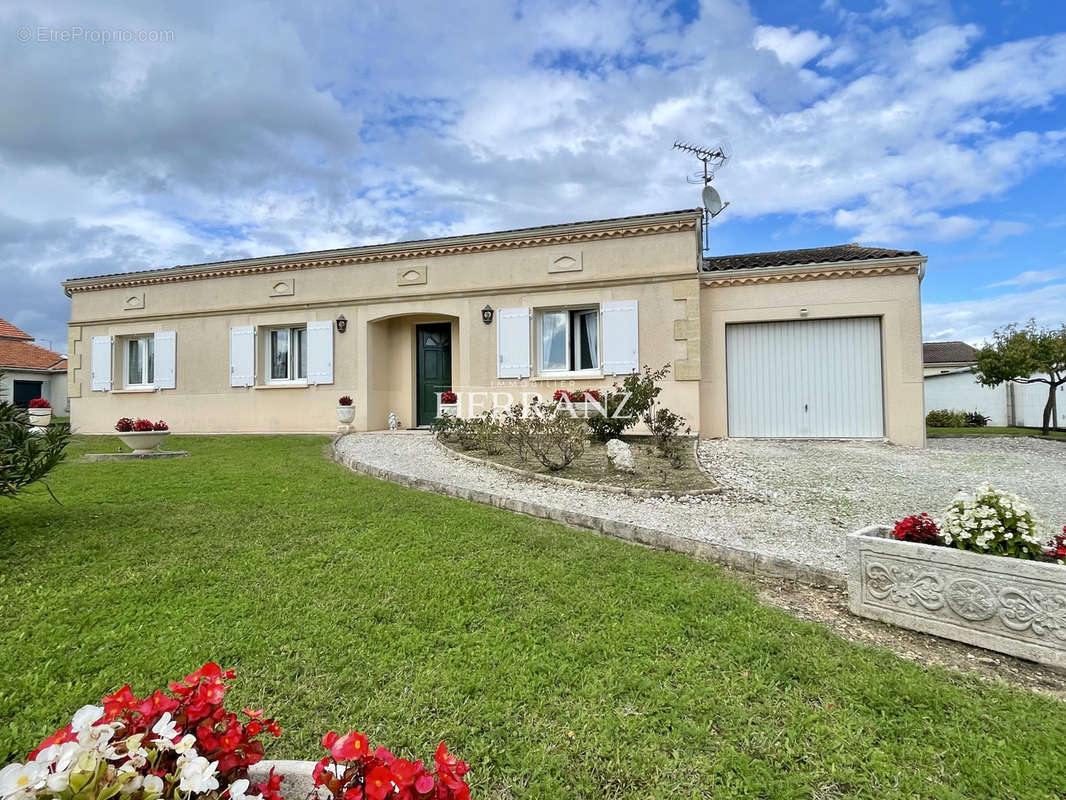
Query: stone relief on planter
(1005, 604)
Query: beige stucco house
(805, 343)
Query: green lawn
(558, 663)
(989, 431)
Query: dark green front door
(434, 367)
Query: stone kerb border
(735, 558)
(599, 487)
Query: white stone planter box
(345, 414)
(298, 780)
(449, 409)
(1009, 605)
(143, 441)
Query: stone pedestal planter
(39, 417)
(449, 409)
(1009, 605)
(585, 410)
(143, 441)
(345, 414)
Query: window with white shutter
(100, 364)
(512, 343)
(568, 340)
(620, 337)
(320, 352)
(165, 360)
(242, 356)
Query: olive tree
(1025, 355)
(27, 455)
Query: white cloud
(794, 48)
(1031, 277)
(262, 129)
(974, 320)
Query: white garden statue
(394, 421)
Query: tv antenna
(713, 158)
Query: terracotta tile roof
(812, 255)
(9, 331)
(25, 355)
(948, 353)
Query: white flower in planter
(197, 774)
(165, 730)
(85, 717)
(22, 780)
(153, 784)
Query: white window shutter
(242, 356)
(100, 368)
(165, 360)
(512, 343)
(320, 352)
(620, 337)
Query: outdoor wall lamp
(486, 314)
(342, 324)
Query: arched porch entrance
(411, 358)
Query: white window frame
(293, 378)
(572, 342)
(143, 344)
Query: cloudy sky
(145, 134)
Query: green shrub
(487, 430)
(624, 405)
(27, 456)
(945, 418)
(555, 438)
(667, 428)
(975, 419)
(514, 432)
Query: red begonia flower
(350, 747)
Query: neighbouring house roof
(948, 353)
(9, 331)
(26, 355)
(17, 351)
(811, 255)
(571, 232)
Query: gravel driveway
(791, 499)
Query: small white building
(950, 383)
(31, 371)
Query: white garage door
(816, 378)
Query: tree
(1025, 355)
(27, 456)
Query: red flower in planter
(350, 747)
(39, 402)
(448, 398)
(124, 425)
(142, 425)
(1057, 547)
(344, 401)
(562, 394)
(160, 426)
(917, 528)
(591, 395)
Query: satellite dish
(712, 201)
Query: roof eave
(719, 274)
(390, 249)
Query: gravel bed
(790, 499)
